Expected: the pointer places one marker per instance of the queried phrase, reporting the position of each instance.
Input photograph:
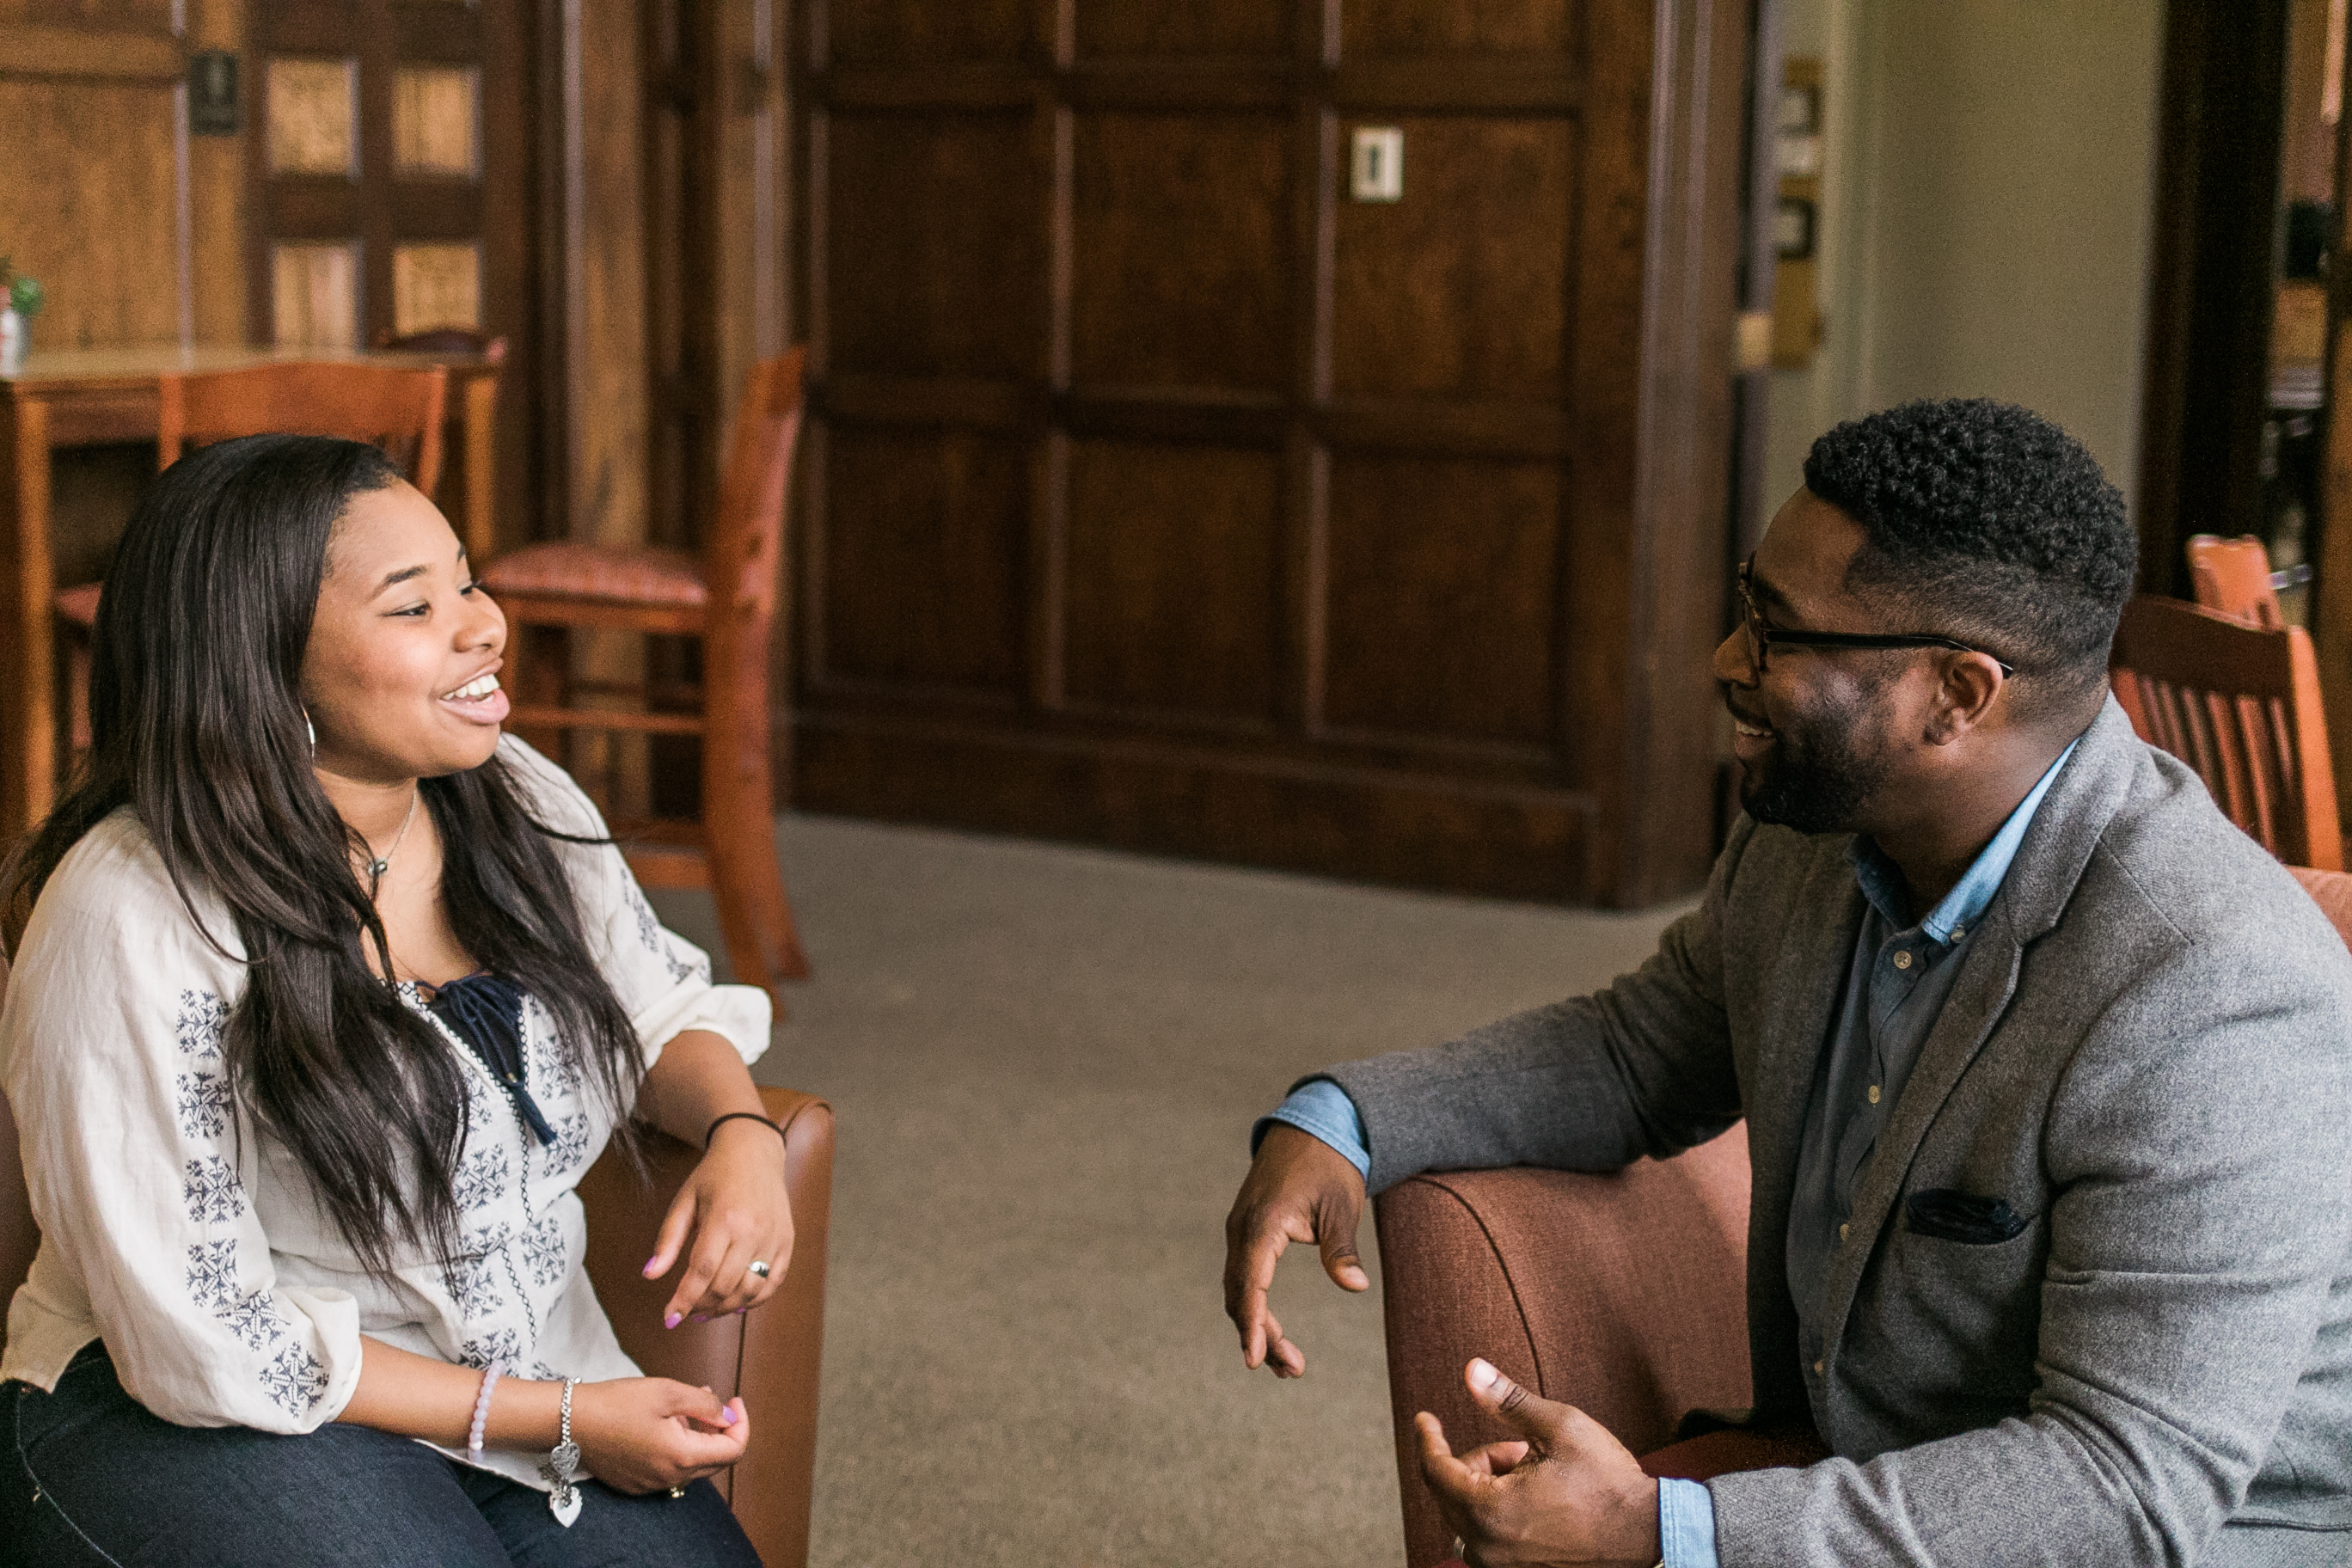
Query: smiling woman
(325, 996)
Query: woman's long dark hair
(197, 724)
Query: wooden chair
(728, 599)
(476, 524)
(771, 1357)
(2232, 577)
(400, 410)
(2241, 705)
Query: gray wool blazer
(2147, 1051)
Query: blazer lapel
(2081, 802)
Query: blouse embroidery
(203, 1020)
(212, 1191)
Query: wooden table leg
(28, 728)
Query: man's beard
(1820, 772)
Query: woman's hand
(645, 1434)
(734, 1210)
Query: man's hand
(1568, 1493)
(1299, 1188)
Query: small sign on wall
(212, 93)
(1376, 172)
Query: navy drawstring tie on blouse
(485, 1010)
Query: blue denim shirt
(1897, 984)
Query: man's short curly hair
(1992, 524)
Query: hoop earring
(312, 730)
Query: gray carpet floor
(1044, 1062)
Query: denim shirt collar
(1881, 881)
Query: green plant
(25, 295)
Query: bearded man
(2046, 1068)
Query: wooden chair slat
(2240, 704)
(2268, 766)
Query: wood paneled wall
(1160, 495)
(96, 184)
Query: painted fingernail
(649, 1267)
(726, 1416)
(1482, 1376)
(672, 1321)
(702, 1316)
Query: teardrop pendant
(378, 867)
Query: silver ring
(759, 1268)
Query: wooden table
(95, 397)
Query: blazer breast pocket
(1969, 1218)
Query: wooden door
(391, 189)
(1158, 493)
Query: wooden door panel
(1175, 564)
(927, 32)
(921, 553)
(1377, 27)
(946, 277)
(1184, 27)
(1461, 291)
(102, 240)
(1181, 230)
(1443, 585)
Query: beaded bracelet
(738, 1116)
(490, 1374)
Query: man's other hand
(1299, 1188)
(1564, 1493)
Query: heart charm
(561, 1465)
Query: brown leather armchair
(770, 1356)
(1622, 1295)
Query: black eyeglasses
(1762, 634)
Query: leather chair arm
(1623, 1294)
(770, 1356)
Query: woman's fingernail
(672, 1321)
(726, 1416)
(702, 1316)
(649, 1267)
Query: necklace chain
(382, 863)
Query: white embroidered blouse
(184, 1235)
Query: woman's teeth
(1748, 729)
(474, 691)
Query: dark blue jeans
(92, 1477)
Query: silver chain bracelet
(561, 1465)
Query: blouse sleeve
(139, 1167)
(660, 977)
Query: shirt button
(1817, 1368)
(1874, 1094)
(1903, 961)
(1841, 1229)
